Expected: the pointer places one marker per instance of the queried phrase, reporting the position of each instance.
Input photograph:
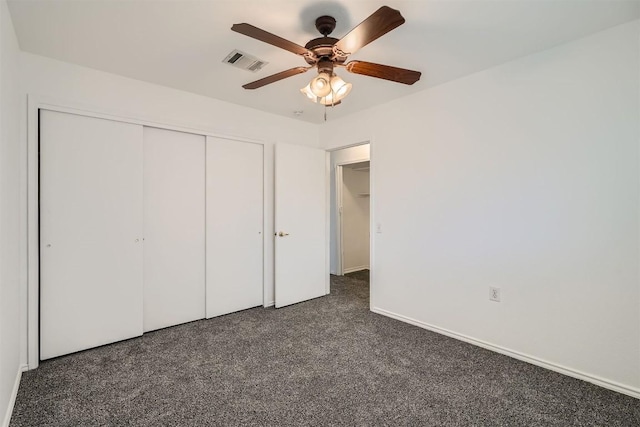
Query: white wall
(10, 213)
(60, 82)
(525, 177)
(342, 156)
(355, 220)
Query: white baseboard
(611, 385)
(269, 304)
(14, 395)
(354, 269)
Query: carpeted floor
(328, 361)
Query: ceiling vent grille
(246, 62)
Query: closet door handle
(282, 234)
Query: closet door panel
(90, 232)
(234, 226)
(174, 228)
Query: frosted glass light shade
(307, 92)
(321, 85)
(334, 91)
(339, 87)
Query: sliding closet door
(174, 224)
(90, 232)
(234, 226)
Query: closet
(174, 228)
(355, 217)
(142, 228)
(91, 232)
(234, 225)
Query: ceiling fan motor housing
(322, 47)
(325, 66)
(325, 24)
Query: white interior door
(301, 241)
(90, 232)
(234, 226)
(174, 228)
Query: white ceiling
(181, 43)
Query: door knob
(282, 234)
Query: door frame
(30, 294)
(339, 184)
(372, 217)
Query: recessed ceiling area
(182, 43)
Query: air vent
(246, 62)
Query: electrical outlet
(494, 294)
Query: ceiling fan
(326, 53)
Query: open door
(301, 271)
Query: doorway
(352, 186)
(350, 210)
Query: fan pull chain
(325, 112)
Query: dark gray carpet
(323, 362)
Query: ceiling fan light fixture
(338, 90)
(329, 100)
(306, 91)
(339, 87)
(321, 85)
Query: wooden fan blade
(387, 72)
(264, 36)
(275, 77)
(377, 25)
